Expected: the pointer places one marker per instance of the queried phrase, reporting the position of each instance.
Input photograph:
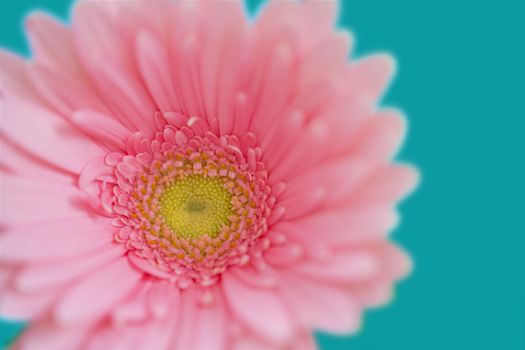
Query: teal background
(461, 83)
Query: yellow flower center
(196, 205)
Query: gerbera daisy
(175, 176)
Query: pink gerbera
(177, 177)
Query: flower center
(196, 205)
(189, 204)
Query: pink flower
(175, 176)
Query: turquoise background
(461, 82)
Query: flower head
(176, 176)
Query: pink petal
(224, 40)
(154, 65)
(103, 129)
(275, 90)
(397, 263)
(374, 293)
(145, 265)
(163, 296)
(65, 93)
(304, 203)
(106, 52)
(134, 308)
(286, 254)
(55, 240)
(184, 336)
(97, 36)
(303, 28)
(255, 278)
(341, 227)
(381, 136)
(105, 287)
(15, 79)
(321, 12)
(347, 266)
(18, 306)
(289, 21)
(6, 274)
(187, 70)
(107, 336)
(158, 335)
(388, 184)
(204, 328)
(127, 96)
(41, 276)
(255, 307)
(210, 325)
(341, 121)
(368, 78)
(323, 60)
(324, 307)
(338, 177)
(51, 42)
(309, 148)
(46, 335)
(21, 163)
(305, 341)
(281, 137)
(46, 135)
(251, 343)
(27, 200)
(93, 170)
